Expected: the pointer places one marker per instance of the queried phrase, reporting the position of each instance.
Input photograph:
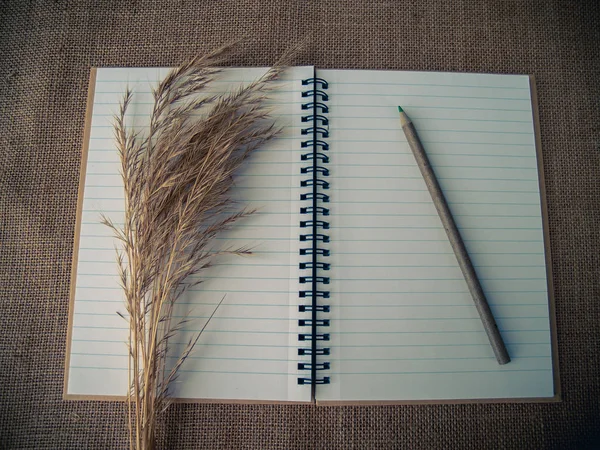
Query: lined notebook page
(404, 326)
(249, 349)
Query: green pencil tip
(400, 109)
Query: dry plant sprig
(177, 179)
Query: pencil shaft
(466, 266)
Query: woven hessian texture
(46, 50)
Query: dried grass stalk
(177, 179)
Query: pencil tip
(400, 109)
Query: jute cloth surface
(46, 51)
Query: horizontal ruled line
(279, 104)
(364, 253)
(439, 178)
(436, 166)
(426, 265)
(438, 332)
(207, 277)
(187, 343)
(425, 190)
(351, 202)
(438, 305)
(378, 177)
(139, 103)
(147, 114)
(328, 345)
(499, 370)
(292, 126)
(339, 95)
(437, 107)
(295, 305)
(248, 163)
(337, 332)
(419, 118)
(535, 266)
(294, 187)
(339, 360)
(192, 357)
(371, 83)
(438, 318)
(436, 292)
(491, 358)
(530, 133)
(533, 241)
(229, 372)
(437, 228)
(102, 288)
(186, 370)
(433, 345)
(216, 81)
(189, 316)
(196, 304)
(429, 153)
(370, 94)
(250, 239)
(427, 215)
(428, 279)
(193, 331)
(374, 141)
(254, 264)
(208, 92)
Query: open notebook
(353, 293)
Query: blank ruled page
(404, 326)
(249, 349)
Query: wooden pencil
(460, 251)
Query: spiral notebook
(353, 294)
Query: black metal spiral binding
(317, 130)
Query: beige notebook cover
(402, 328)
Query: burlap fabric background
(46, 50)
